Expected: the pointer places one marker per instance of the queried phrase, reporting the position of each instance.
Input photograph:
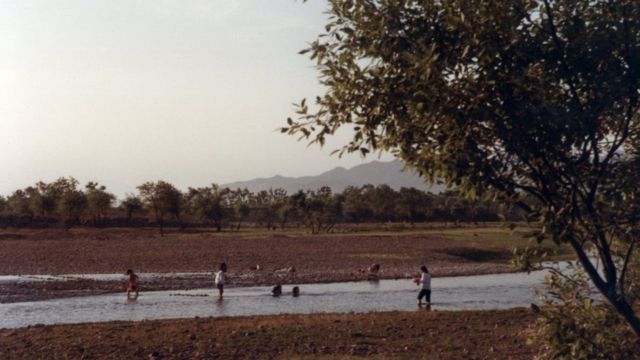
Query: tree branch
(623, 271)
(560, 48)
(589, 268)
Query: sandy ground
(407, 335)
(316, 258)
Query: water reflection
(131, 299)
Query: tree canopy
(524, 98)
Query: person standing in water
(132, 285)
(425, 289)
(276, 290)
(220, 279)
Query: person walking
(132, 284)
(220, 279)
(425, 286)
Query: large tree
(412, 204)
(161, 199)
(131, 204)
(241, 205)
(533, 98)
(210, 204)
(18, 204)
(70, 201)
(318, 208)
(99, 201)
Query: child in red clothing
(132, 285)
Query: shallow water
(97, 277)
(482, 292)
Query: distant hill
(375, 173)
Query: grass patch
(492, 243)
(478, 255)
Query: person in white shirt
(425, 289)
(220, 279)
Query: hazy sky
(126, 91)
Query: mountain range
(391, 173)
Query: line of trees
(160, 203)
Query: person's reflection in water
(374, 284)
(221, 307)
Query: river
(482, 292)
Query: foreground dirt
(408, 335)
(318, 258)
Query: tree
(99, 201)
(279, 205)
(319, 208)
(240, 202)
(151, 202)
(521, 98)
(131, 204)
(457, 206)
(210, 204)
(161, 198)
(411, 204)
(3, 212)
(355, 207)
(571, 324)
(70, 202)
(382, 201)
(18, 204)
(43, 198)
(271, 206)
(261, 209)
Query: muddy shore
(405, 335)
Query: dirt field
(316, 258)
(114, 250)
(406, 335)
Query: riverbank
(316, 258)
(409, 335)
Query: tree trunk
(179, 220)
(285, 217)
(628, 314)
(607, 290)
(329, 227)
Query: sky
(127, 91)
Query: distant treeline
(64, 203)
